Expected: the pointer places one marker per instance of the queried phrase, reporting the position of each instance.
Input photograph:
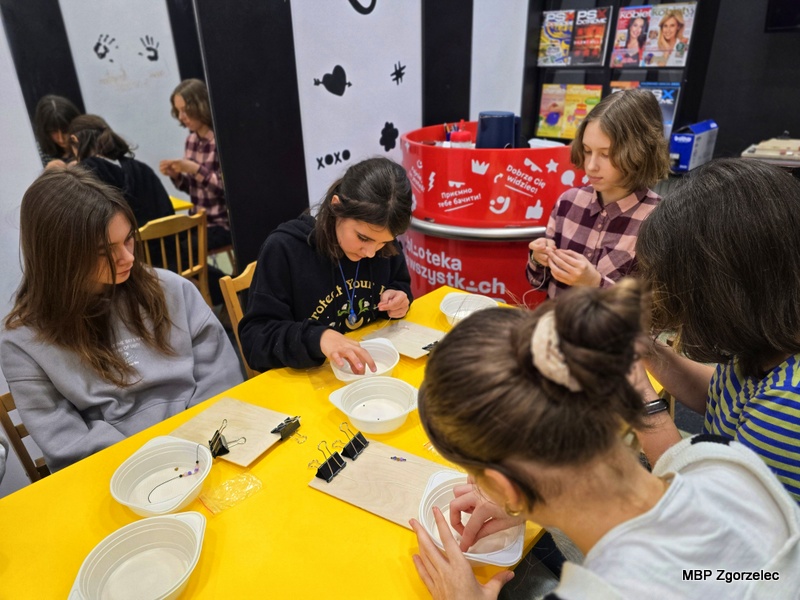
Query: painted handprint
(103, 46)
(150, 46)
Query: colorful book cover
(667, 95)
(618, 86)
(633, 24)
(551, 110)
(670, 31)
(590, 38)
(579, 101)
(555, 38)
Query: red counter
(475, 211)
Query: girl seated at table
(100, 150)
(98, 346)
(199, 173)
(50, 124)
(722, 254)
(318, 277)
(538, 408)
(591, 234)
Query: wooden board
(385, 487)
(244, 420)
(410, 339)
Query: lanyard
(351, 294)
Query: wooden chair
(179, 240)
(179, 205)
(36, 469)
(231, 287)
(212, 254)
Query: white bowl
(503, 549)
(376, 404)
(382, 352)
(148, 483)
(151, 558)
(457, 306)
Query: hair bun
(599, 326)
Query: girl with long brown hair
(99, 346)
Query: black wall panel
(40, 50)
(446, 60)
(248, 52)
(184, 35)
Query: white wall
(498, 55)
(119, 82)
(368, 49)
(20, 165)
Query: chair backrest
(36, 469)
(231, 287)
(178, 243)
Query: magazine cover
(618, 86)
(551, 110)
(590, 37)
(556, 38)
(665, 92)
(668, 38)
(579, 100)
(667, 95)
(633, 24)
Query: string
(187, 474)
(351, 294)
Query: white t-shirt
(724, 521)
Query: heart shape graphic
(335, 82)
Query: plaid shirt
(604, 235)
(205, 187)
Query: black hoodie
(141, 187)
(297, 293)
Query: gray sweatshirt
(71, 412)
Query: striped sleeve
(762, 415)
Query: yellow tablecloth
(286, 541)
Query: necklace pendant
(351, 318)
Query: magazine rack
(672, 80)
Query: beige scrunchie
(547, 355)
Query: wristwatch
(656, 406)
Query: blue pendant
(351, 318)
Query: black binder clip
(218, 445)
(332, 465)
(287, 427)
(357, 443)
